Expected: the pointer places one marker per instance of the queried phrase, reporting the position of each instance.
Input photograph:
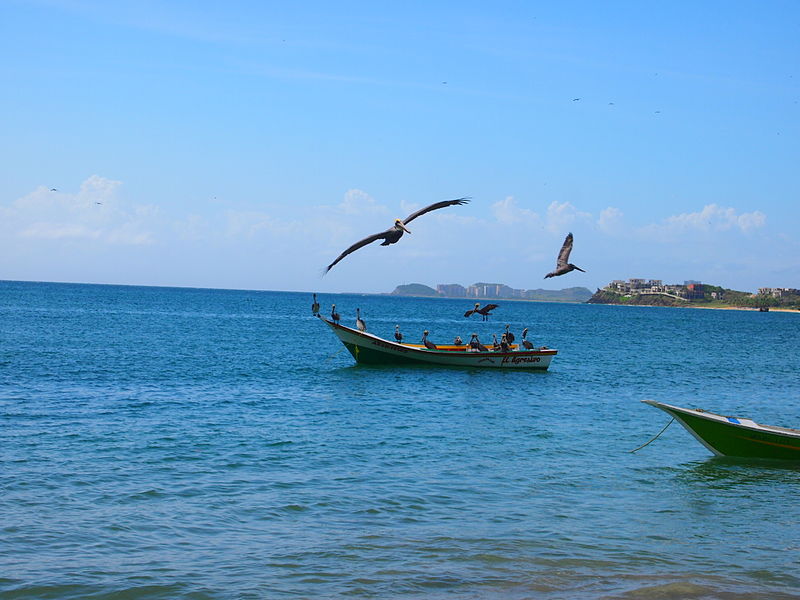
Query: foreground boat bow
(370, 349)
(731, 436)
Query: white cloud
(561, 215)
(93, 213)
(358, 202)
(711, 218)
(507, 212)
(610, 220)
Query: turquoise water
(186, 443)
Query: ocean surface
(191, 443)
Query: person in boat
(458, 341)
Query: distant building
(451, 290)
(779, 292)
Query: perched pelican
(475, 344)
(562, 264)
(458, 341)
(315, 306)
(509, 336)
(525, 343)
(397, 335)
(334, 315)
(504, 344)
(359, 321)
(495, 343)
(484, 312)
(428, 344)
(394, 233)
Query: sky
(245, 144)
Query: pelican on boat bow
(367, 348)
(732, 436)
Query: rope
(655, 438)
(335, 353)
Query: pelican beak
(579, 269)
(401, 226)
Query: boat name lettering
(515, 360)
(388, 346)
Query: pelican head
(426, 332)
(477, 304)
(399, 224)
(577, 268)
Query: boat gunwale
(723, 420)
(408, 347)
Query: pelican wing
(435, 206)
(469, 312)
(563, 256)
(357, 245)
(489, 307)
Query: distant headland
(653, 292)
(492, 291)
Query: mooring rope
(335, 353)
(655, 438)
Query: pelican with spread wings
(563, 266)
(394, 233)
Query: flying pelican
(475, 344)
(458, 341)
(428, 344)
(484, 312)
(334, 315)
(315, 306)
(397, 335)
(525, 343)
(562, 264)
(53, 190)
(395, 232)
(359, 321)
(509, 336)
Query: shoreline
(742, 308)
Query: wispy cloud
(94, 212)
(712, 218)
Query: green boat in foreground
(731, 436)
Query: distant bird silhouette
(315, 306)
(428, 344)
(397, 335)
(394, 233)
(98, 203)
(562, 264)
(475, 344)
(509, 336)
(359, 321)
(484, 312)
(53, 190)
(334, 315)
(575, 99)
(458, 341)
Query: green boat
(732, 436)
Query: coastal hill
(640, 292)
(492, 291)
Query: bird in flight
(563, 265)
(53, 190)
(395, 232)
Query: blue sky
(246, 144)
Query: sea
(221, 444)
